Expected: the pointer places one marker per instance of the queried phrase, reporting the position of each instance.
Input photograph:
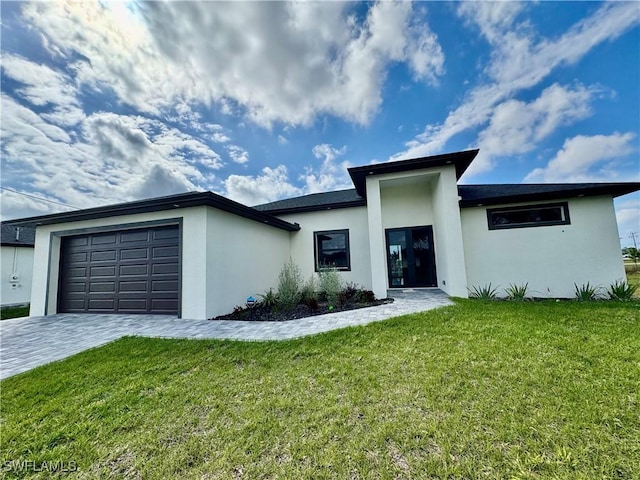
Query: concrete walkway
(26, 343)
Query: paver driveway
(29, 342)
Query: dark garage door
(125, 271)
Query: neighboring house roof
(14, 236)
(171, 202)
(314, 202)
(461, 160)
(479, 195)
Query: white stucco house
(16, 264)
(405, 224)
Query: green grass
(531, 390)
(633, 278)
(14, 312)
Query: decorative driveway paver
(26, 343)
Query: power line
(37, 198)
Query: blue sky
(109, 102)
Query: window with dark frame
(332, 249)
(529, 216)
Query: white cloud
(238, 154)
(329, 175)
(41, 85)
(519, 61)
(270, 185)
(277, 61)
(22, 204)
(106, 158)
(517, 127)
(587, 159)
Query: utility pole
(633, 235)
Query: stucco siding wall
(353, 219)
(550, 258)
(16, 268)
(46, 260)
(448, 236)
(406, 205)
(244, 258)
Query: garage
(123, 271)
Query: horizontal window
(528, 216)
(332, 249)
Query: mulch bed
(266, 314)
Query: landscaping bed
(295, 298)
(262, 313)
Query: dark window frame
(316, 250)
(563, 205)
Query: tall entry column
(376, 238)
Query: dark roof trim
(460, 160)
(482, 195)
(172, 202)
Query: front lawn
(478, 390)
(14, 312)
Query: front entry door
(410, 257)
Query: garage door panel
(165, 268)
(78, 241)
(103, 239)
(163, 305)
(106, 271)
(164, 252)
(129, 286)
(103, 304)
(134, 236)
(104, 256)
(77, 257)
(76, 272)
(77, 287)
(133, 305)
(72, 305)
(165, 234)
(134, 254)
(134, 270)
(164, 286)
(102, 287)
(128, 271)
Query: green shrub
(586, 292)
(289, 286)
(348, 293)
(517, 292)
(621, 290)
(309, 293)
(486, 292)
(269, 299)
(365, 296)
(330, 284)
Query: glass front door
(410, 257)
